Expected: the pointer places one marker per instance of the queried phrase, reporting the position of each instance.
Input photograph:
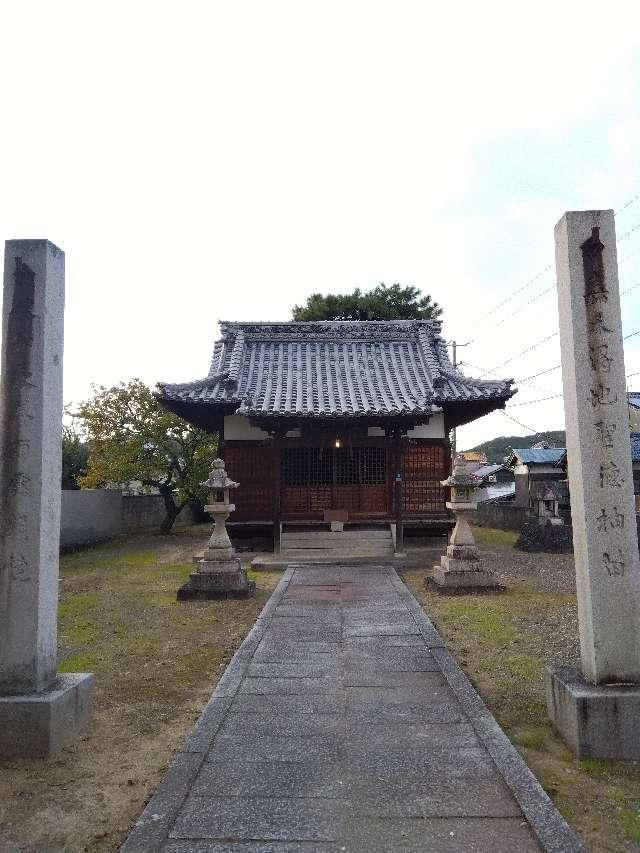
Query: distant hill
(497, 448)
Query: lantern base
(463, 579)
(215, 579)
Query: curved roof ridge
(334, 368)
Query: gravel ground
(549, 572)
(554, 625)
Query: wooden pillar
(397, 483)
(221, 438)
(277, 509)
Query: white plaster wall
(239, 428)
(434, 429)
(545, 469)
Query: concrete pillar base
(595, 721)
(37, 725)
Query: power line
(542, 340)
(515, 293)
(531, 429)
(546, 269)
(628, 204)
(626, 234)
(539, 400)
(524, 351)
(635, 252)
(526, 304)
(541, 373)
(483, 370)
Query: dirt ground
(503, 641)
(156, 662)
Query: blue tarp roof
(546, 456)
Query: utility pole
(454, 345)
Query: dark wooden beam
(277, 504)
(397, 437)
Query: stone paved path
(342, 724)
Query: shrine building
(345, 416)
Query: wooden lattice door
(424, 466)
(351, 478)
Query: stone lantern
(219, 572)
(460, 568)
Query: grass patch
(503, 643)
(77, 663)
(495, 540)
(76, 605)
(480, 618)
(630, 819)
(81, 632)
(156, 662)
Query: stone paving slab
(274, 704)
(260, 818)
(444, 835)
(310, 668)
(246, 750)
(249, 847)
(309, 778)
(343, 724)
(296, 725)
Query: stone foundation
(456, 576)
(595, 721)
(216, 579)
(461, 571)
(37, 725)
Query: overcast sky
(200, 161)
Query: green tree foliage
(132, 438)
(75, 455)
(497, 448)
(380, 303)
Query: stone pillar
(592, 711)
(38, 710)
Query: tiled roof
(487, 470)
(334, 369)
(495, 492)
(540, 456)
(635, 446)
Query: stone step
(281, 561)
(322, 542)
(328, 534)
(292, 553)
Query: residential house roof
(633, 398)
(536, 456)
(635, 446)
(335, 369)
(495, 492)
(487, 470)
